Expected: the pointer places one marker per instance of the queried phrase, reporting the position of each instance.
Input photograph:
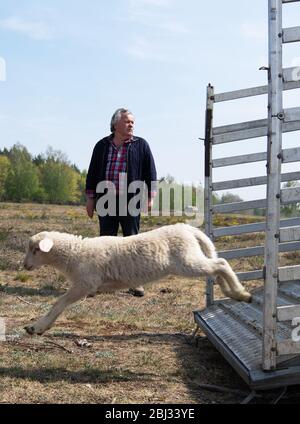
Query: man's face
(125, 125)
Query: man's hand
(146, 206)
(90, 206)
(150, 203)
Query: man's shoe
(137, 291)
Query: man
(120, 157)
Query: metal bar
(253, 133)
(291, 290)
(241, 126)
(292, 114)
(288, 347)
(244, 182)
(291, 35)
(289, 247)
(288, 313)
(273, 187)
(290, 234)
(249, 92)
(291, 74)
(291, 155)
(238, 160)
(291, 85)
(242, 253)
(254, 228)
(238, 94)
(240, 135)
(239, 229)
(289, 273)
(254, 181)
(250, 275)
(290, 1)
(291, 222)
(208, 182)
(291, 126)
(257, 251)
(240, 206)
(290, 195)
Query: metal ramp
(259, 340)
(236, 330)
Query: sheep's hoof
(32, 330)
(248, 298)
(137, 292)
(29, 329)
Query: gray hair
(117, 116)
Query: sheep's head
(39, 247)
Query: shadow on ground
(50, 375)
(28, 291)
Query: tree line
(51, 178)
(45, 178)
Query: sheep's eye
(35, 250)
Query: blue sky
(71, 63)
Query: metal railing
(280, 235)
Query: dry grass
(137, 350)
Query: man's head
(122, 123)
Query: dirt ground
(113, 348)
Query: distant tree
(226, 198)
(60, 182)
(4, 152)
(215, 199)
(22, 181)
(75, 167)
(176, 197)
(56, 156)
(230, 198)
(47, 177)
(259, 212)
(38, 160)
(169, 179)
(4, 171)
(81, 186)
(18, 151)
(292, 210)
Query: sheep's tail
(205, 243)
(209, 250)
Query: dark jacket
(140, 163)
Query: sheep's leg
(227, 290)
(237, 290)
(208, 249)
(44, 323)
(220, 268)
(224, 285)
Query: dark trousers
(109, 225)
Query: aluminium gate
(258, 338)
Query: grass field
(113, 348)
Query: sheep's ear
(46, 245)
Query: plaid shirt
(117, 165)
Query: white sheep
(106, 264)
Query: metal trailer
(259, 339)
